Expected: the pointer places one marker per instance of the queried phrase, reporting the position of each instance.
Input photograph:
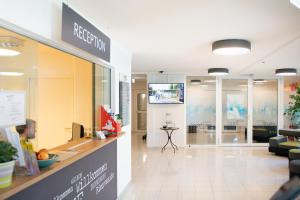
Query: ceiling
(176, 36)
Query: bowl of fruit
(45, 159)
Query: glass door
(234, 111)
(140, 114)
(201, 110)
(265, 110)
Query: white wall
(124, 143)
(44, 19)
(156, 114)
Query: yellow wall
(64, 96)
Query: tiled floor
(210, 138)
(204, 173)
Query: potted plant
(293, 109)
(7, 155)
(118, 119)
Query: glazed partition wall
(290, 88)
(64, 96)
(237, 111)
(234, 111)
(58, 88)
(102, 92)
(201, 110)
(265, 110)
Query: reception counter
(91, 172)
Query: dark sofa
(263, 133)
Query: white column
(250, 111)
(218, 110)
(280, 98)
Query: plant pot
(6, 171)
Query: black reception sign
(90, 178)
(79, 32)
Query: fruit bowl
(47, 163)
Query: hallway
(204, 173)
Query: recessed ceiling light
(8, 52)
(203, 85)
(259, 81)
(195, 82)
(286, 72)
(11, 73)
(295, 3)
(244, 85)
(218, 71)
(10, 41)
(210, 81)
(231, 47)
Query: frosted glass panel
(290, 88)
(201, 110)
(264, 111)
(235, 111)
(142, 121)
(141, 102)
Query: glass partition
(20, 72)
(264, 110)
(290, 85)
(102, 92)
(58, 87)
(201, 110)
(64, 95)
(234, 111)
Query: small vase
(6, 171)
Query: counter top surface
(82, 147)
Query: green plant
(118, 116)
(294, 104)
(7, 152)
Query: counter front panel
(89, 178)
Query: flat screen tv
(166, 93)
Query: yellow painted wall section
(64, 96)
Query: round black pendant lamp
(259, 81)
(218, 71)
(286, 72)
(195, 82)
(231, 47)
